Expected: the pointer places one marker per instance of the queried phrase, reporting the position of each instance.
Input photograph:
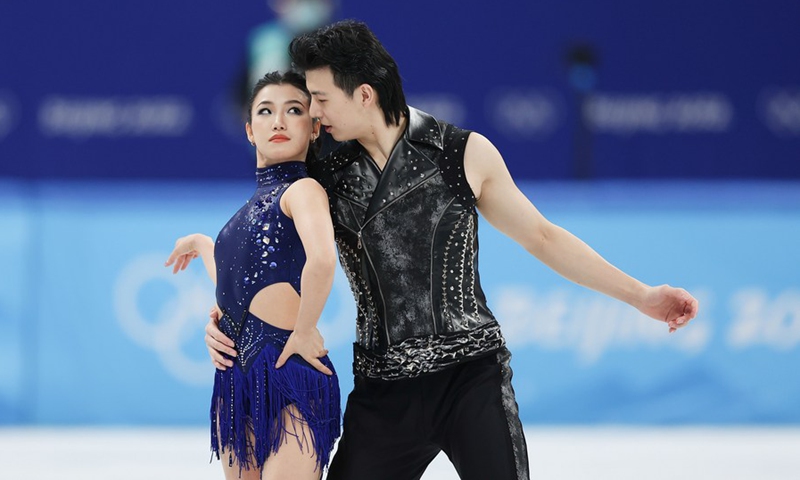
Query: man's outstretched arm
(507, 209)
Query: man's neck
(380, 142)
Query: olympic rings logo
(172, 322)
(531, 114)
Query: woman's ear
(250, 137)
(316, 125)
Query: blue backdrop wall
(148, 89)
(120, 131)
(96, 330)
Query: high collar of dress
(280, 172)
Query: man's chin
(340, 138)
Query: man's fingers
(219, 360)
(679, 322)
(691, 309)
(214, 333)
(683, 320)
(215, 344)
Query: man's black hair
(355, 57)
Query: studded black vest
(408, 242)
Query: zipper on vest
(377, 281)
(378, 286)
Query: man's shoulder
(454, 139)
(335, 159)
(450, 131)
(426, 128)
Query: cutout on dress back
(276, 304)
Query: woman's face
(281, 125)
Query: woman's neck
(262, 162)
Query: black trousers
(394, 428)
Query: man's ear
(367, 94)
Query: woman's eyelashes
(292, 110)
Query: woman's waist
(255, 338)
(276, 304)
(247, 324)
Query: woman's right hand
(217, 342)
(184, 252)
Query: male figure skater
(430, 363)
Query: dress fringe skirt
(247, 406)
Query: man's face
(341, 114)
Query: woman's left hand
(307, 343)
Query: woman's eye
(296, 111)
(264, 111)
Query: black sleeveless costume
(407, 240)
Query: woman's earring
(313, 138)
(253, 143)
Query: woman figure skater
(274, 415)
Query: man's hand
(310, 345)
(675, 306)
(217, 342)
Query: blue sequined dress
(258, 247)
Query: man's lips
(279, 138)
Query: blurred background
(666, 134)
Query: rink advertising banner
(98, 331)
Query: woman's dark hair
(277, 78)
(355, 57)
